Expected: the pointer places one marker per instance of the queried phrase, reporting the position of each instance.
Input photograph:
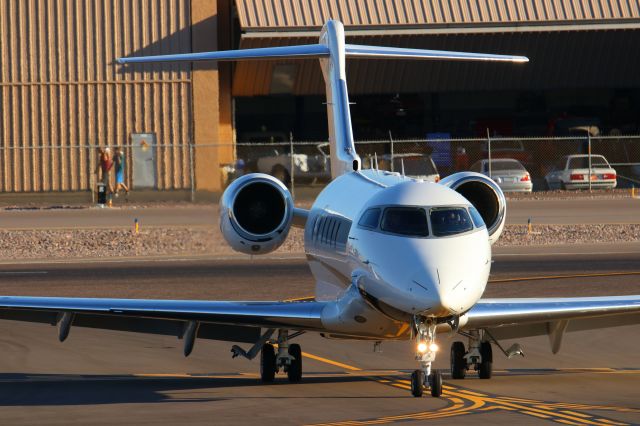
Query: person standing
(105, 164)
(119, 161)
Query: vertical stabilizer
(344, 158)
(332, 53)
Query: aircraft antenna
(402, 166)
(375, 160)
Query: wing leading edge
(518, 318)
(230, 321)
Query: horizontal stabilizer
(378, 52)
(282, 52)
(320, 50)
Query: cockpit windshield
(411, 221)
(447, 221)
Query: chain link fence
(307, 164)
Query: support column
(211, 94)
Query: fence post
(589, 139)
(191, 173)
(292, 166)
(391, 140)
(489, 151)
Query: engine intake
(485, 195)
(256, 212)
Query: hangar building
(61, 93)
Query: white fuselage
(401, 276)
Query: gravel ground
(96, 243)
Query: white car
(573, 173)
(310, 162)
(508, 173)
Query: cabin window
(447, 221)
(410, 221)
(370, 218)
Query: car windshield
(501, 165)
(447, 221)
(411, 221)
(415, 165)
(583, 162)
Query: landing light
(422, 347)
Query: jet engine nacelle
(485, 195)
(256, 212)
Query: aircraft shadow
(21, 389)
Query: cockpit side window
(370, 218)
(410, 221)
(447, 221)
(477, 219)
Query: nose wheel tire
(268, 367)
(435, 380)
(294, 373)
(458, 363)
(417, 383)
(486, 366)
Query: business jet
(393, 257)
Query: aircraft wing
(517, 318)
(229, 321)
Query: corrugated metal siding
(579, 59)
(262, 14)
(61, 93)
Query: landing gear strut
(426, 348)
(479, 357)
(288, 358)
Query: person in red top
(105, 164)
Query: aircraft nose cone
(439, 291)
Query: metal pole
(391, 139)
(589, 139)
(489, 150)
(192, 174)
(293, 191)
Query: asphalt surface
(567, 211)
(105, 377)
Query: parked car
(416, 165)
(508, 173)
(507, 148)
(572, 172)
(310, 163)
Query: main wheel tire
(268, 367)
(417, 383)
(295, 368)
(486, 366)
(435, 380)
(458, 363)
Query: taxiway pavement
(106, 377)
(561, 212)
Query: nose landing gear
(426, 348)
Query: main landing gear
(479, 357)
(426, 348)
(288, 358)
